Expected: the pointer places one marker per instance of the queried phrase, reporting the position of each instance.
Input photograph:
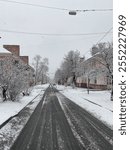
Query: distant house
(94, 75)
(13, 51)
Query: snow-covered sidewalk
(9, 108)
(97, 102)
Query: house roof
(4, 51)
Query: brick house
(13, 51)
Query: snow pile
(9, 108)
(97, 102)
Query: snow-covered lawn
(9, 108)
(97, 102)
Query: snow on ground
(9, 108)
(97, 102)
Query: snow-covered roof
(3, 50)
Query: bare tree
(69, 66)
(36, 65)
(58, 76)
(41, 68)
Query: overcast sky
(34, 19)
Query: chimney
(25, 59)
(14, 49)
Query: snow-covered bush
(15, 75)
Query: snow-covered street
(59, 123)
(47, 108)
(97, 102)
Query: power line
(106, 33)
(94, 10)
(36, 5)
(49, 7)
(51, 34)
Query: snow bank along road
(59, 124)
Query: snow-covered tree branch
(41, 69)
(69, 67)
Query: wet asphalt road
(59, 124)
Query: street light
(72, 12)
